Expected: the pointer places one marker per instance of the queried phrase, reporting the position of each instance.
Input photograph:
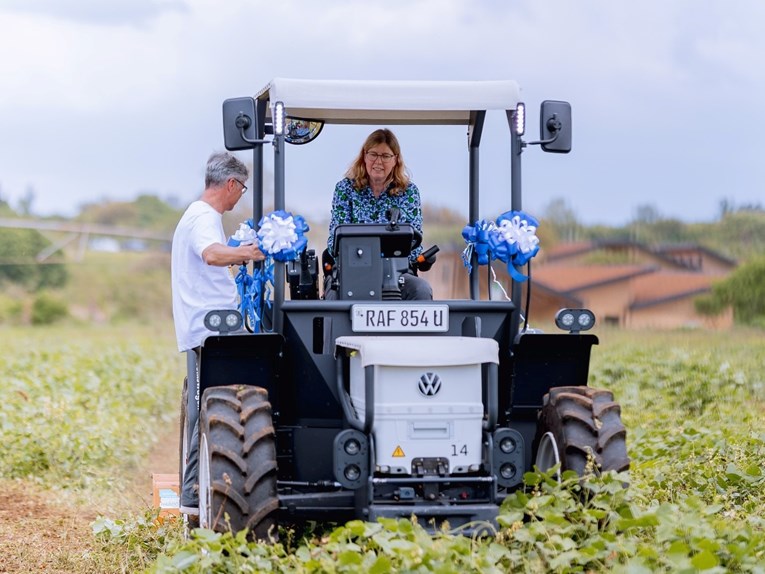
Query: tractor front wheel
(581, 428)
(237, 462)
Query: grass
(693, 403)
(82, 405)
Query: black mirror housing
(555, 126)
(240, 123)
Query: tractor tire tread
(586, 423)
(242, 459)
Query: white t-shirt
(197, 286)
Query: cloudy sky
(108, 99)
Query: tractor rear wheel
(237, 462)
(578, 425)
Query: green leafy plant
(47, 309)
(695, 501)
(77, 406)
(130, 545)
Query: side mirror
(299, 131)
(240, 129)
(555, 126)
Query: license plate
(399, 317)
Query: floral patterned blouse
(361, 206)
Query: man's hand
(222, 255)
(251, 253)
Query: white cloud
(109, 98)
(111, 12)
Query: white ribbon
(518, 231)
(245, 235)
(277, 233)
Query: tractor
(370, 406)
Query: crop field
(81, 409)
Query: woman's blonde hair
(399, 176)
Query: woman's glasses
(385, 157)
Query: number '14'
(462, 450)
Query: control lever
(427, 258)
(302, 276)
(393, 214)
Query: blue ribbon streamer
(247, 305)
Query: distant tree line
(18, 251)
(738, 233)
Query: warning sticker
(398, 452)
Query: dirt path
(39, 535)
(41, 531)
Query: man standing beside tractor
(200, 275)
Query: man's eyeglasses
(385, 157)
(244, 187)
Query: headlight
(352, 472)
(507, 471)
(352, 447)
(575, 320)
(507, 445)
(223, 321)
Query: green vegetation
(121, 287)
(693, 404)
(146, 211)
(739, 233)
(744, 290)
(98, 294)
(18, 249)
(48, 309)
(81, 407)
(11, 309)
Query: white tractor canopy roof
(390, 102)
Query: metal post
(516, 149)
(279, 280)
(474, 141)
(257, 183)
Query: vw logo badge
(429, 384)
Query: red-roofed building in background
(624, 283)
(630, 285)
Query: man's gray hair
(223, 166)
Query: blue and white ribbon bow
(477, 238)
(281, 237)
(512, 239)
(245, 235)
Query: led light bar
(575, 320)
(520, 119)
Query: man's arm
(222, 255)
